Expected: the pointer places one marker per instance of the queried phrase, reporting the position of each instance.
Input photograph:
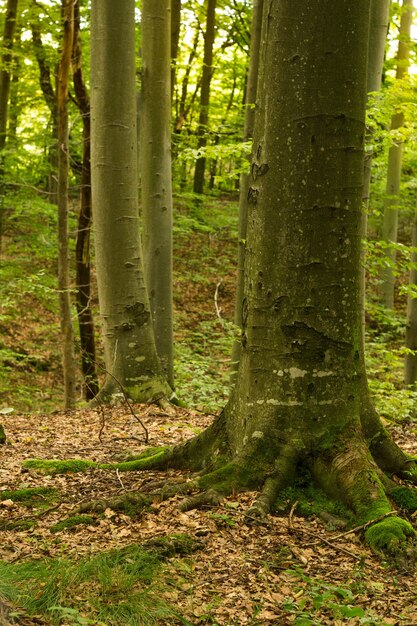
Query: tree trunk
(82, 249)
(200, 165)
(301, 399)
(378, 32)
(5, 78)
(390, 223)
(410, 365)
(48, 91)
(63, 169)
(251, 89)
(175, 38)
(129, 345)
(156, 176)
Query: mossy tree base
(345, 470)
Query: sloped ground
(288, 570)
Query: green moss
(405, 498)
(311, 501)
(28, 497)
(172, 545)
(153, 460)
(73, 521)
(45, 466)
(20, 524)
(389, 534)
(2, 435)
(229, 478)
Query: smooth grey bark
(410, 363)
(250, 101)
(156, 175)
(392, 197)
(379, 23)
(209, 35)
(129, 344)
(64, 284)
(5, 79)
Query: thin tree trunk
(156, 176)
(410, 365)
(50, 96)
(129, 345)
(63, 169)
(182, 109)
(175, 38)
(378, 32)
(200, 165)
(82, 249)
(5, 78)
(392, 198)
(251, 90)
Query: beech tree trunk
(378, 32)
(301, 398)
(392, 198)
(64, 284)
(200, 165)
(156, 175)
(410, 364)
(250, 101)
(5, 78)
(129, 345)
(82, 249)
(175, 38)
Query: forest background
(205, 218)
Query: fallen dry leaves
(241, 576)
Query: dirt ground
(270, 573)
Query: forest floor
(289, 570)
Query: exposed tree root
(345, 470)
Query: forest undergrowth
(63, 563)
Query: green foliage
(313, 599)
(121, 586)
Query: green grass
(123, 586)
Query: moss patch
(29, 497)
(405, 498)
(45, 466)
(131, 504)
(311, 501)
(73, 522)
(20, 524)
(389, 534)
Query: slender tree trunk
(82, 249)
(251, 89)
(175, 38)
(129, 344)
(156, 176)
(390, 222)
(63, 170)
(5, 78)
(410, 365)
(378, 32)
(209, 34)
(46, 84)
(182, 108)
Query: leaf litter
(287, 570)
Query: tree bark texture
(380, 10)
(156, 175)
(410, 365)
(250, 101)
(129, 345)
(209, 34)
(64, 284)
(391, 204)
(175, 38)
(5, 79)
(301, 397)
(82, 249)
